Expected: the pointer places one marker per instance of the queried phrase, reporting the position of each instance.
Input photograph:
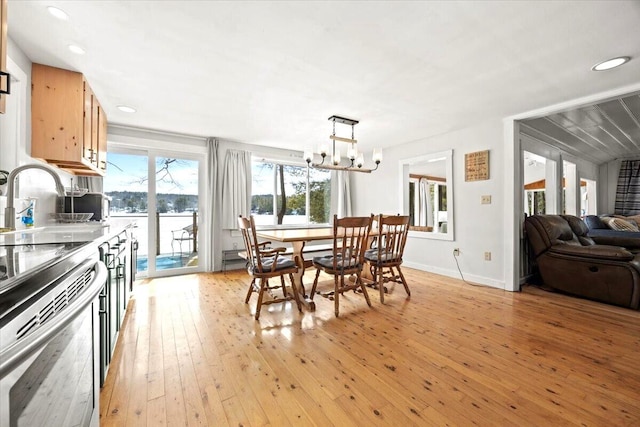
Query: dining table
(298, 238)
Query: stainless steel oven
(49, 337)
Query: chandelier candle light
(357, 159)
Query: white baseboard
(455, 274)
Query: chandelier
(335, 163)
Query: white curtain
(425, 205)
(236, 188)
(212, 211)
(340, 194)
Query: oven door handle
(16, 354)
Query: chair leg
(336, 293)
(284, 287)
(315, 284)
(404, 282)
(251, 285)
(264, 283)
(364, 288)
(381, 284)
(296, 295)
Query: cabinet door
(95, 107)
(3, 51)
(57, 122)
(87, 113)
(102, 139)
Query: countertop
(65, 233)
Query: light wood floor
(191, 353)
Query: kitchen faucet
(10, 210)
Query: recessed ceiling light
(126, 109)
(610, 63)
(58, 13)
(76, 49)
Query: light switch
(485, 200)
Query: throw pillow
(622, 225)
(635, 218)
(606, 220)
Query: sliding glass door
(161, 192)
(176, 220)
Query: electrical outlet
(485, 200)
(456, 252)
(487, 256)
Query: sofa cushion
(620, 224)
(595, 222)
(580, 229)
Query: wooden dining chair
(265, 263)
(350, 236)
(386, 257)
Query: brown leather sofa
(571, 262)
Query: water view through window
(174, 241)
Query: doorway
(161, 191)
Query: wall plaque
(476, 166)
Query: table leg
(299, 259)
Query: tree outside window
(302, 195)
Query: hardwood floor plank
(451, 354)
(155, 378)
(194, 409)
(137, 407)
(235, 413)
(209, 395)
(156, 412)
(174, 399)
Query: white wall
(478, 228)
(607, 183)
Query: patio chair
(184, 234)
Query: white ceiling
(271, 73)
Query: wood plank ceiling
(598, 133)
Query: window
(286, 194)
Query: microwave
(96, 203)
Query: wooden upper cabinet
(68, 126)
(4, 80)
